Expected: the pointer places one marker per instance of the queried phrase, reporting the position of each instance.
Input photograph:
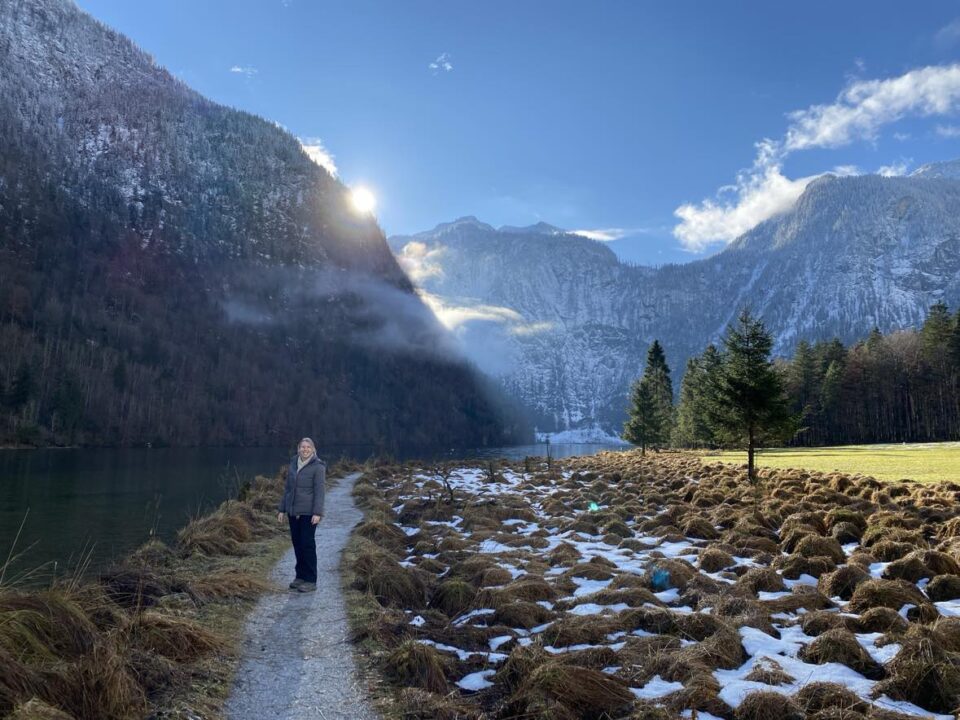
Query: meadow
(923, 462)
(619, 586)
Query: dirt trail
(297, 657)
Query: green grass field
(926, 462)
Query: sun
(362, 200)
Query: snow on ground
(610, 539)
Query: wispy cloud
(315, 150)
(858, 113)
(454, 316)
(245, 70)
(948, 35)
(604, 234)
(948, 131)
(420, 261)
(895, 169)
(443, 64)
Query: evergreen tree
(658, 373)
(936, 333)
(643, 425)
(954, 345)
(651, 403)
(22, 388)
(747, 405)
(692, 427)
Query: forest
(898, 387)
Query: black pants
(302, 533)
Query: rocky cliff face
(854, 253)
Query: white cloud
(420, 261)
(532, 328)
(245, 70)
(603, 234)
(948, 131)
(760, 194)
(443, 63)
(316, 151)
(454, 317)
(895, 169)
(866, 105)
(858, 113)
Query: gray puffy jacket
(303, 492)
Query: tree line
(903, 386)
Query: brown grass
(419, 665)
(817, 696)
(582, 692)
(924, 672)
(766, 705)
(840, 646)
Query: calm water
(104, 503)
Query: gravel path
(297, 659)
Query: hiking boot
(295, 584)
(307, 587)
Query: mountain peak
(540, 228)
(461, 223)
(949, 169)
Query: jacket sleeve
(319, 483)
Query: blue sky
(623, 117)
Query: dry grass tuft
(385, 579)
(769, 672)
(818, 696)
(839, 645)
(178, 639)
(924, 672)
(230, 583)
(842, 582)
(714, 560)
(893, 594)
(581, 692)
(768, 705)
(453, 596)
(944, 587)
(419, 665)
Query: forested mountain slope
(175, 271)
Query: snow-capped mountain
(175, 271)
(853, 253)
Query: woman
(302, 504)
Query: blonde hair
(309, 442)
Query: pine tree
(22, 388)
(658, 373)
(936, 333)
(643, 425)
(692, 427)
(954, 345)
(747, 406)
(651, 403)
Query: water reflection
(105, 502)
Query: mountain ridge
(852, 253)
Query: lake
(100, 504)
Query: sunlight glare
(362, 200)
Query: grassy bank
(923, 462)
(618, 587)
(157, 634)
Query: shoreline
(158, 631)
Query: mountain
(175, 271)
(853, 253)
